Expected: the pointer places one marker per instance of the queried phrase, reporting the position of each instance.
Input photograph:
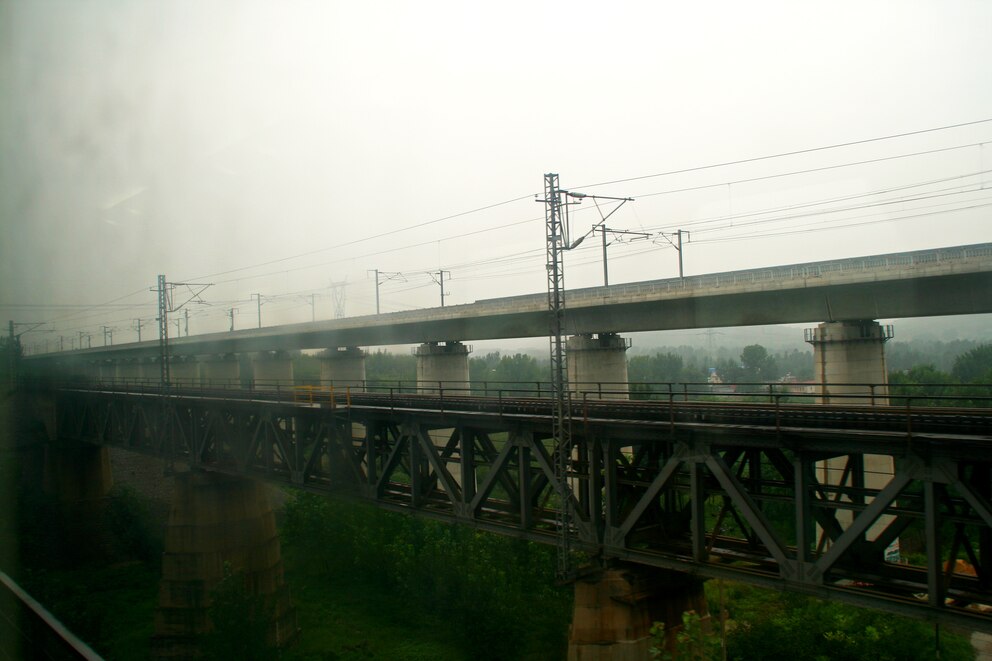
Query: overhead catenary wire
(80, 313)
(796, 152)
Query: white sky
(193, 138)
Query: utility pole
(137, 325)
(231, 315)
(259, 297)
(313, 308)
(107, 331)
(677, 244)
(186, 315)
(381, 277)
(602, 228)
(440, 280)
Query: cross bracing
(719, 490)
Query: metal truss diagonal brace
(750, 511)
(862, 522)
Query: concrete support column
(78, 476)
(271, 369)
(615, 609)
(343, 367)
(218, 525)
(444, 364)
(598, 365)
(844, 353)
(184, 371)
(129, 371)
(221, 371)
(850, 352)
(106, 371)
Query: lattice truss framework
(781, 507)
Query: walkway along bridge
(772, 493)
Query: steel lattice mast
(163, 330)
(557, 243)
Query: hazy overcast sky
(278, 138)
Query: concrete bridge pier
(221, 371)
(78, 476)
(219, 526)
(597, 365)
(616, 607)
(271, 369)
(343, 367)
(848, 355)
(444, 363)
(850, 352)
(184, 371)
(129, 370)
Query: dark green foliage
(136, 534)
(974, 366)
(757, 365)
(382, 366)
(110, 607)
(240, 621)
(925, 385)
(901, 356)
(695, 642)
(659, 368)
(495, 594)
(494, 371)
(773, 626)
(795, 362)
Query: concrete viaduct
(844, 297)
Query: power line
(797, 152)
(808, 171)
(368, 238)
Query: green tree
(974, 366)
(757, 365)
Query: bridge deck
(809, 498)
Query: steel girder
(795, 508)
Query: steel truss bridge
(772, 493)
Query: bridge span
(942, 281)
(767, 493)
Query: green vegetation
(493, 596)
(967, 383)
(771, 626)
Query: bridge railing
(315, 391)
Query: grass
(346, 621)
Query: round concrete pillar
(129, 371)
(443, 364)
(78, 476)
(343, 367)
(849, 359)
(597, 366)
(615, 608)
(218, 525)
(184, 371)
(221, 371)
(271, 369)
(849, 362)
(106, 371)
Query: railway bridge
(688, 486)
